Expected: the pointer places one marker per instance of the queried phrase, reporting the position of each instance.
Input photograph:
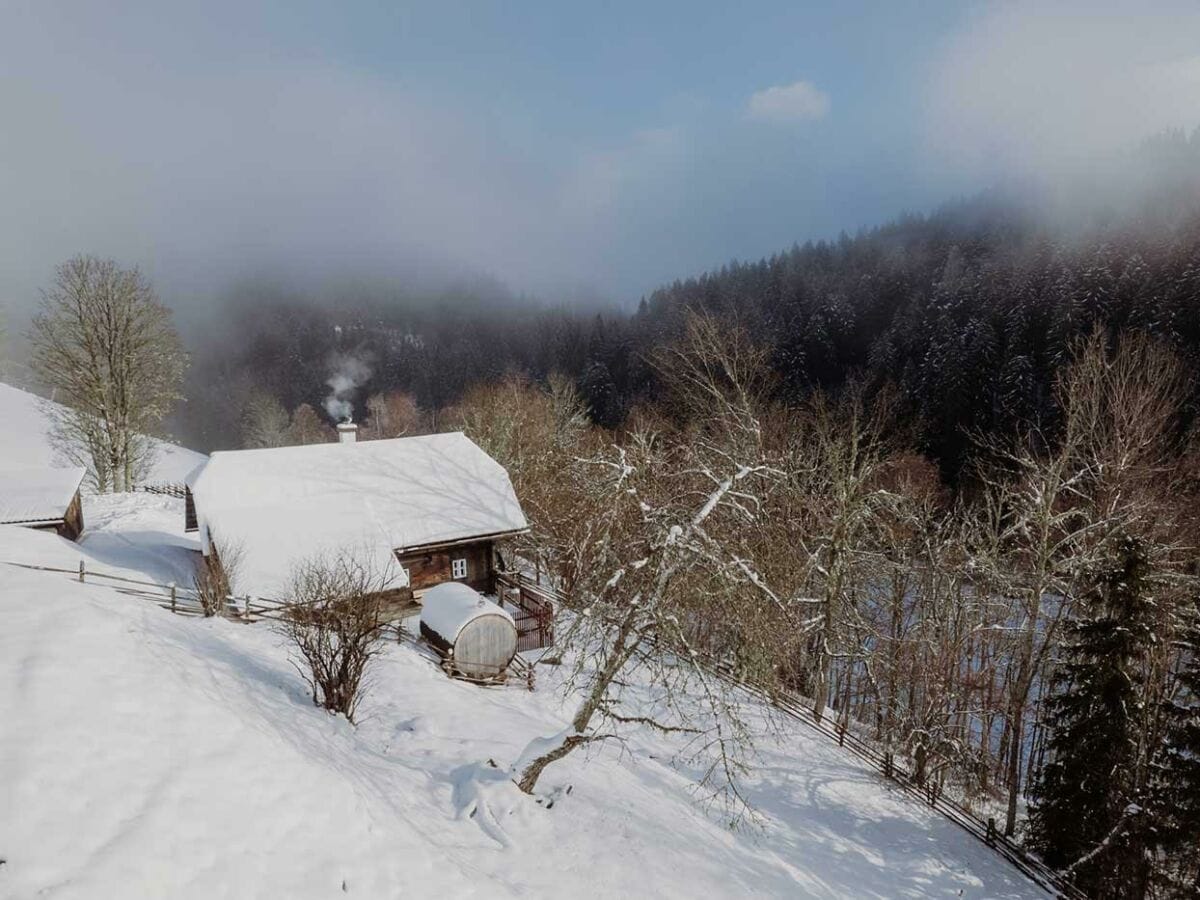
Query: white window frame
(458, 568)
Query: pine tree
(1179, 780)
(1088, 814)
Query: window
(458, 568)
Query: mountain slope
(151, 755)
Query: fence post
(529, 677)
(247, 602)
(991, 832)
(81, 571)
(172, 587)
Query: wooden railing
(169, 489)
(535, 620)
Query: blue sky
(565, 149)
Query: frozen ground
(149, 755)
(23, 440)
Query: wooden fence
(170, 490)
(800, 709)
(184, 601)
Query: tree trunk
(1014, 772)
(623, 647)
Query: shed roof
(30, 494)
(285, 504)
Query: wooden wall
(72, 526)
(429, 568)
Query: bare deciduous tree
(657, 568)
(265, 422)
(105, 345)
(392, 415)
(308, 427)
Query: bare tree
(308, 427)
(536, 432)
(392, 415)
(655, 561)
(106, 346)
(335, 627)
(836, 499)
(265, 422)
(1063, 498)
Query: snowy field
(149, 755)
(23, 440)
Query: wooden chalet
(43, 498)
(429, 509)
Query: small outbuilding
(43, 498)
(476, 637)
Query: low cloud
(1053, 89)
(801, 101)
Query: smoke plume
(349, 374)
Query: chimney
(347, 432)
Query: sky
(566, 150)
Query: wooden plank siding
(70, 526)
(434, 566)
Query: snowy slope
(145, 755)
(131, 535)
(23, 440)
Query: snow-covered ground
(149, 755)
(24, 442)
(131, 535)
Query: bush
(216, 576)
(335, 627)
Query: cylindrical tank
(477, 637)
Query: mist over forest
(970, 311)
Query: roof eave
(458, 542)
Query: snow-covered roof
(286, 504)
(25, 420)
(30, 494)
(446, 608)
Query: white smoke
(349, 373)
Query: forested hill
(970, 312)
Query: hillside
(24, 441)
(147, 755)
